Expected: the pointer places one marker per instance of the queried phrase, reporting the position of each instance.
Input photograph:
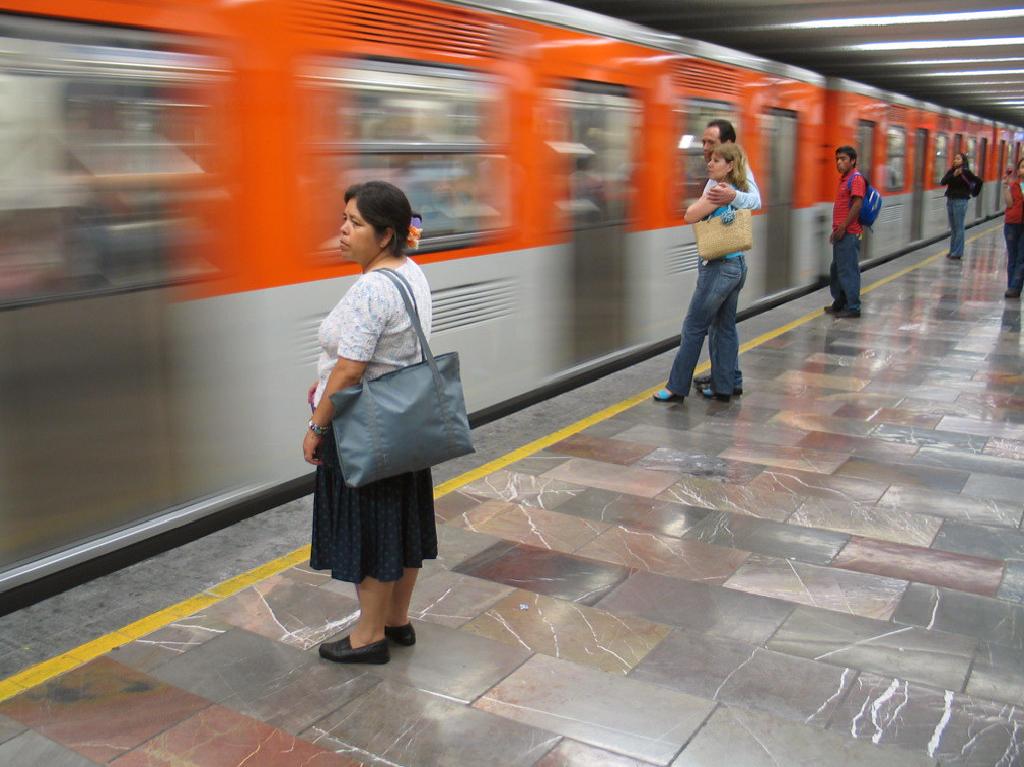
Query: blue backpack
(872, 203)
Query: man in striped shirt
(844, 274)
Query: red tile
(598, 449)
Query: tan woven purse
(715, 238)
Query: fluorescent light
(908, 45)
(944, 62)
(973, 73)
(916, 18)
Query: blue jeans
(713, 306)
(956, 210)
(1014, 234)
(844, 274)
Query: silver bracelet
(318, 430)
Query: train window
(896, 153)
(691, 175)
(434, 132)
(105, 164)
(941, 158)
(972, 146)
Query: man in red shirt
(844, 274)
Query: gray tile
(450, 662)
(995, 487)
(678, 439)
(455, 545)
(997, 674)
(522, 489)
(696, 664)
(947, 440)
(792, 688)
(31, 749)
(1012, 587)
(980, 541)
(959, 613)
(452, 599)
(888, 472)
(695, 463)
(736, 737)
(698, 607)
(266, 680)
(170, 642)
(766, 537)
(662, 517)
(910, 652)
(739, 499)
(412, 728)
(922, 500)
(867, 520)
(986, 464)
(9, 728)
(569, 753)
(647, 722)
(951, 727)
(538, 463)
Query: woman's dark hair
(384, 206)
(849, 151)
(966, 163)
(726, 132)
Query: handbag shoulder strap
(409, 299)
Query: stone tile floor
(828, 570)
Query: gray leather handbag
(406, 420)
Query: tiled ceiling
(975, 64)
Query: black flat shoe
(343, 652)
(1011, 294)
(850, 314)
(708, 393)
(704, 380)
(403, 635)
(833, 307)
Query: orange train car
(173, 193)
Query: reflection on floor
(828, 570)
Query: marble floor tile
(762, 399)
(697, 607)
(281, 608)
(872, 596)
(531, 526)
(734, 736)
(700, 465)
(411, 728)
(566, 630)
(836, 382)
(572, 578)
(696, 664)
(452, 599)
(538, 463)
(524, 489)
(690, 560)
(605, 450)
(742, 434)
(569, 753)
(649, 722)
(830, 424)
(947, 440)
(9, 728)
(948, 480)
(981, 428)
(31, 749)
(453, 504)
(828, 487)
(738, 499)
(455, 545)
(862, 447)
(997, 674)
(995, 487)
(799, 458)
(981, 541)
(951, 727)
(913, 563)
(969, 462)
(678, 439)
(1012, 587)
(864, 399)
(101, 710)
(1005, 448)
(982, 511)
(882, 647)
(176, 639)
(883, 523)
(635, 512)
(893, 415)
(450, 662)
(220, 736)
(958, 613)
(762, 536)
(619, 479)
(963, 407)
(285, 687)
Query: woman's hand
(311, 448)
(312, 393)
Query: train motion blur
(171, 196)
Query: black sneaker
(703, 380)
(833, 307)
(852, 314)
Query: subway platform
(828, 570)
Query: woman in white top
(378, 535)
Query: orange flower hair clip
(415, 231)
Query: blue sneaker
(664, 395)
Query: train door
(920, 171)
(997, 200)
(599, 127)
(980, 171)
(781, 126)
(866, 163)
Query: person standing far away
(722, 132)
(844, 273)
(1013, 229)
(959, 183)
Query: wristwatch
(318, 430)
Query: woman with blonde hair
(717, 294)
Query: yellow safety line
(42, 672)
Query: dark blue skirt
(378, 529)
